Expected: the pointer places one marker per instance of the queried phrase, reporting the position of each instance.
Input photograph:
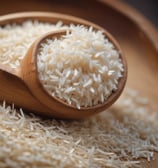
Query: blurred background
(147, 7)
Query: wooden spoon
(31, 93)
(30, 76)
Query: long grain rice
(117, 138)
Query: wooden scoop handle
(13, 90)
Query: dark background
(149, 8)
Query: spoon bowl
(31, 78)
(28, 92)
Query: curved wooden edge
(137, 18)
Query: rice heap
(81, 68)
(16, 39)
(117, 138)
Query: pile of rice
(81, 68)
(16, 39)
(116, 138)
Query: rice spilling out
(81, 68)
(117, 138)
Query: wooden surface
(137, 37)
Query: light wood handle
(14, 90)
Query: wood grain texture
(138, 38)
